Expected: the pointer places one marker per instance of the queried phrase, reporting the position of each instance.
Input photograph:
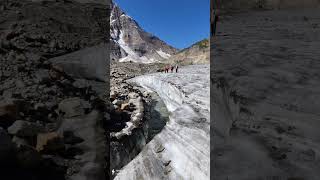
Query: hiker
(167, 68)
(177, 67)
(172, 67)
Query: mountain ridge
(131, 43)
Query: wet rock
(73, 107)
(50, 143)
(25, 129)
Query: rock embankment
(51, 118)
(128, 127)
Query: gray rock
(7, 94)
(73, 107)
(19, 141)
(32, 57)
(42, 76)
(88, 63)
(80, 83)
(25, 129)
(20, 84)
(117, 102)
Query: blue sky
(180, 23)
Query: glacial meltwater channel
(158, 116)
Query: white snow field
(182, 149)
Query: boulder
(88, 63)
(146, 94)
(125, 106)
(19, 141)
(25, 129)
(113, 95)
(117, 102)
(133, 95)
(73, 107)
(50, 143)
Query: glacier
(182, 149)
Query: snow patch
(164, 54)
(132, 55)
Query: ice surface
(182, 149)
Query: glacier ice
(182, 149)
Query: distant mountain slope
(198, 53)
(131, 43)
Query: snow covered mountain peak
(131, 43)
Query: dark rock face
(129, 42)
(264, 93)
(53, 67)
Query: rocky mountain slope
(53, 59)
(129, 42)
(197, 53)
(265, 96)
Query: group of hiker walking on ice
(171, 68)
